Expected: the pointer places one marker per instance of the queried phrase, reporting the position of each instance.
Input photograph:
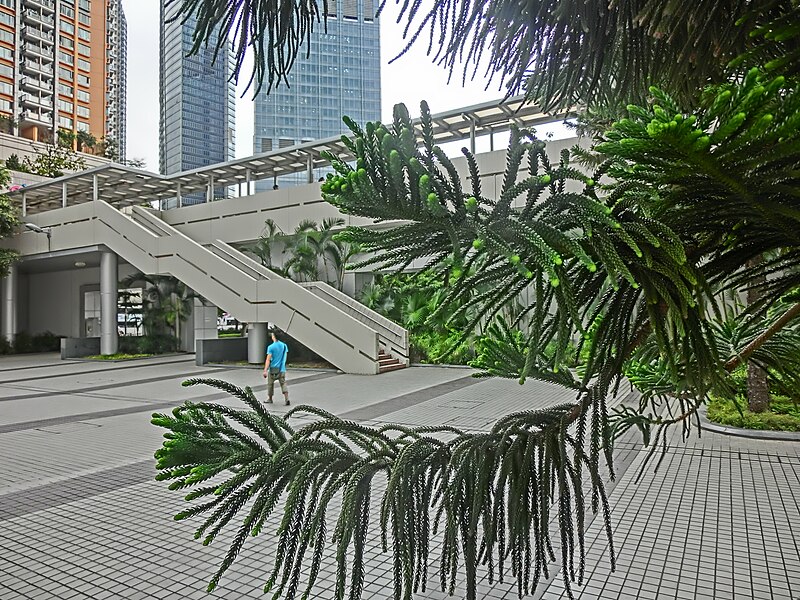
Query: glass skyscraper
(197, 102)
(341, 76)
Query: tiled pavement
(81, 517)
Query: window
(83, 112)
(8, 3)
(84, 19)
(83, 80)
(66, 42)
(65, 122)
(83, 127)
(84, 65)
(68, 27)
(5, 105)
(84, 49)
(67, 11)
(7, 19)
(6, 71)
(66, 106)
(84, 34)
(83, 96)
(65, 73)
(85, 5)
(6, 36)
(6, 53)
(65, 89)
(66, 58)
(6, 88)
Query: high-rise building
(116, 84)
(340, 76)
(59, 62)
(197, 101)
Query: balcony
(37, 68)
(36, 17)
(37, 103)
(34, 117)
(45, 5)
(34, 33)
(35, 84)
(33, 49)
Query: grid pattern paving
(81, 517)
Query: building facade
(197, 102)
(340, 76)
(59, 59)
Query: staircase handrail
(392, 336)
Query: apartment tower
(197, 102)
(62, 67)
(340, 76)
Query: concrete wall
(242, 219)
(79, 347)
(53, 299)
(225, 349)
(22, 147)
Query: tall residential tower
(341, 76)
(62, 67)
(197, 101)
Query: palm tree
(303, 261)
(262, 248)
(324, 243)
(341, 254)
(167, 302)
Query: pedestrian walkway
(81, 516)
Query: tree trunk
(757, 385)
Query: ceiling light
(80, 263)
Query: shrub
(46, 342)
(158, 344)
(783, 414)
(23, 343)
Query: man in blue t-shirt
(275, 367)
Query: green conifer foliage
(623, 265)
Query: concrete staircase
(336, 327)
(387, 362)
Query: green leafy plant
(166, 303)
(623, 260)
(783, 415)
(54, 161)
(9, 223)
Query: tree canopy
(9, 222)
(630, 251)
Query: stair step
(386, 360)
(387, 368)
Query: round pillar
(9, 292)
(109, 340)
(256, 343)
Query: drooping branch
(762, 339)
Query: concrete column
(109, 340)
(205, 321)
(9, 293)
(256, 343)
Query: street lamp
(36, 229)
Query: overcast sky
(410, 79)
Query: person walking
(275, 367)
